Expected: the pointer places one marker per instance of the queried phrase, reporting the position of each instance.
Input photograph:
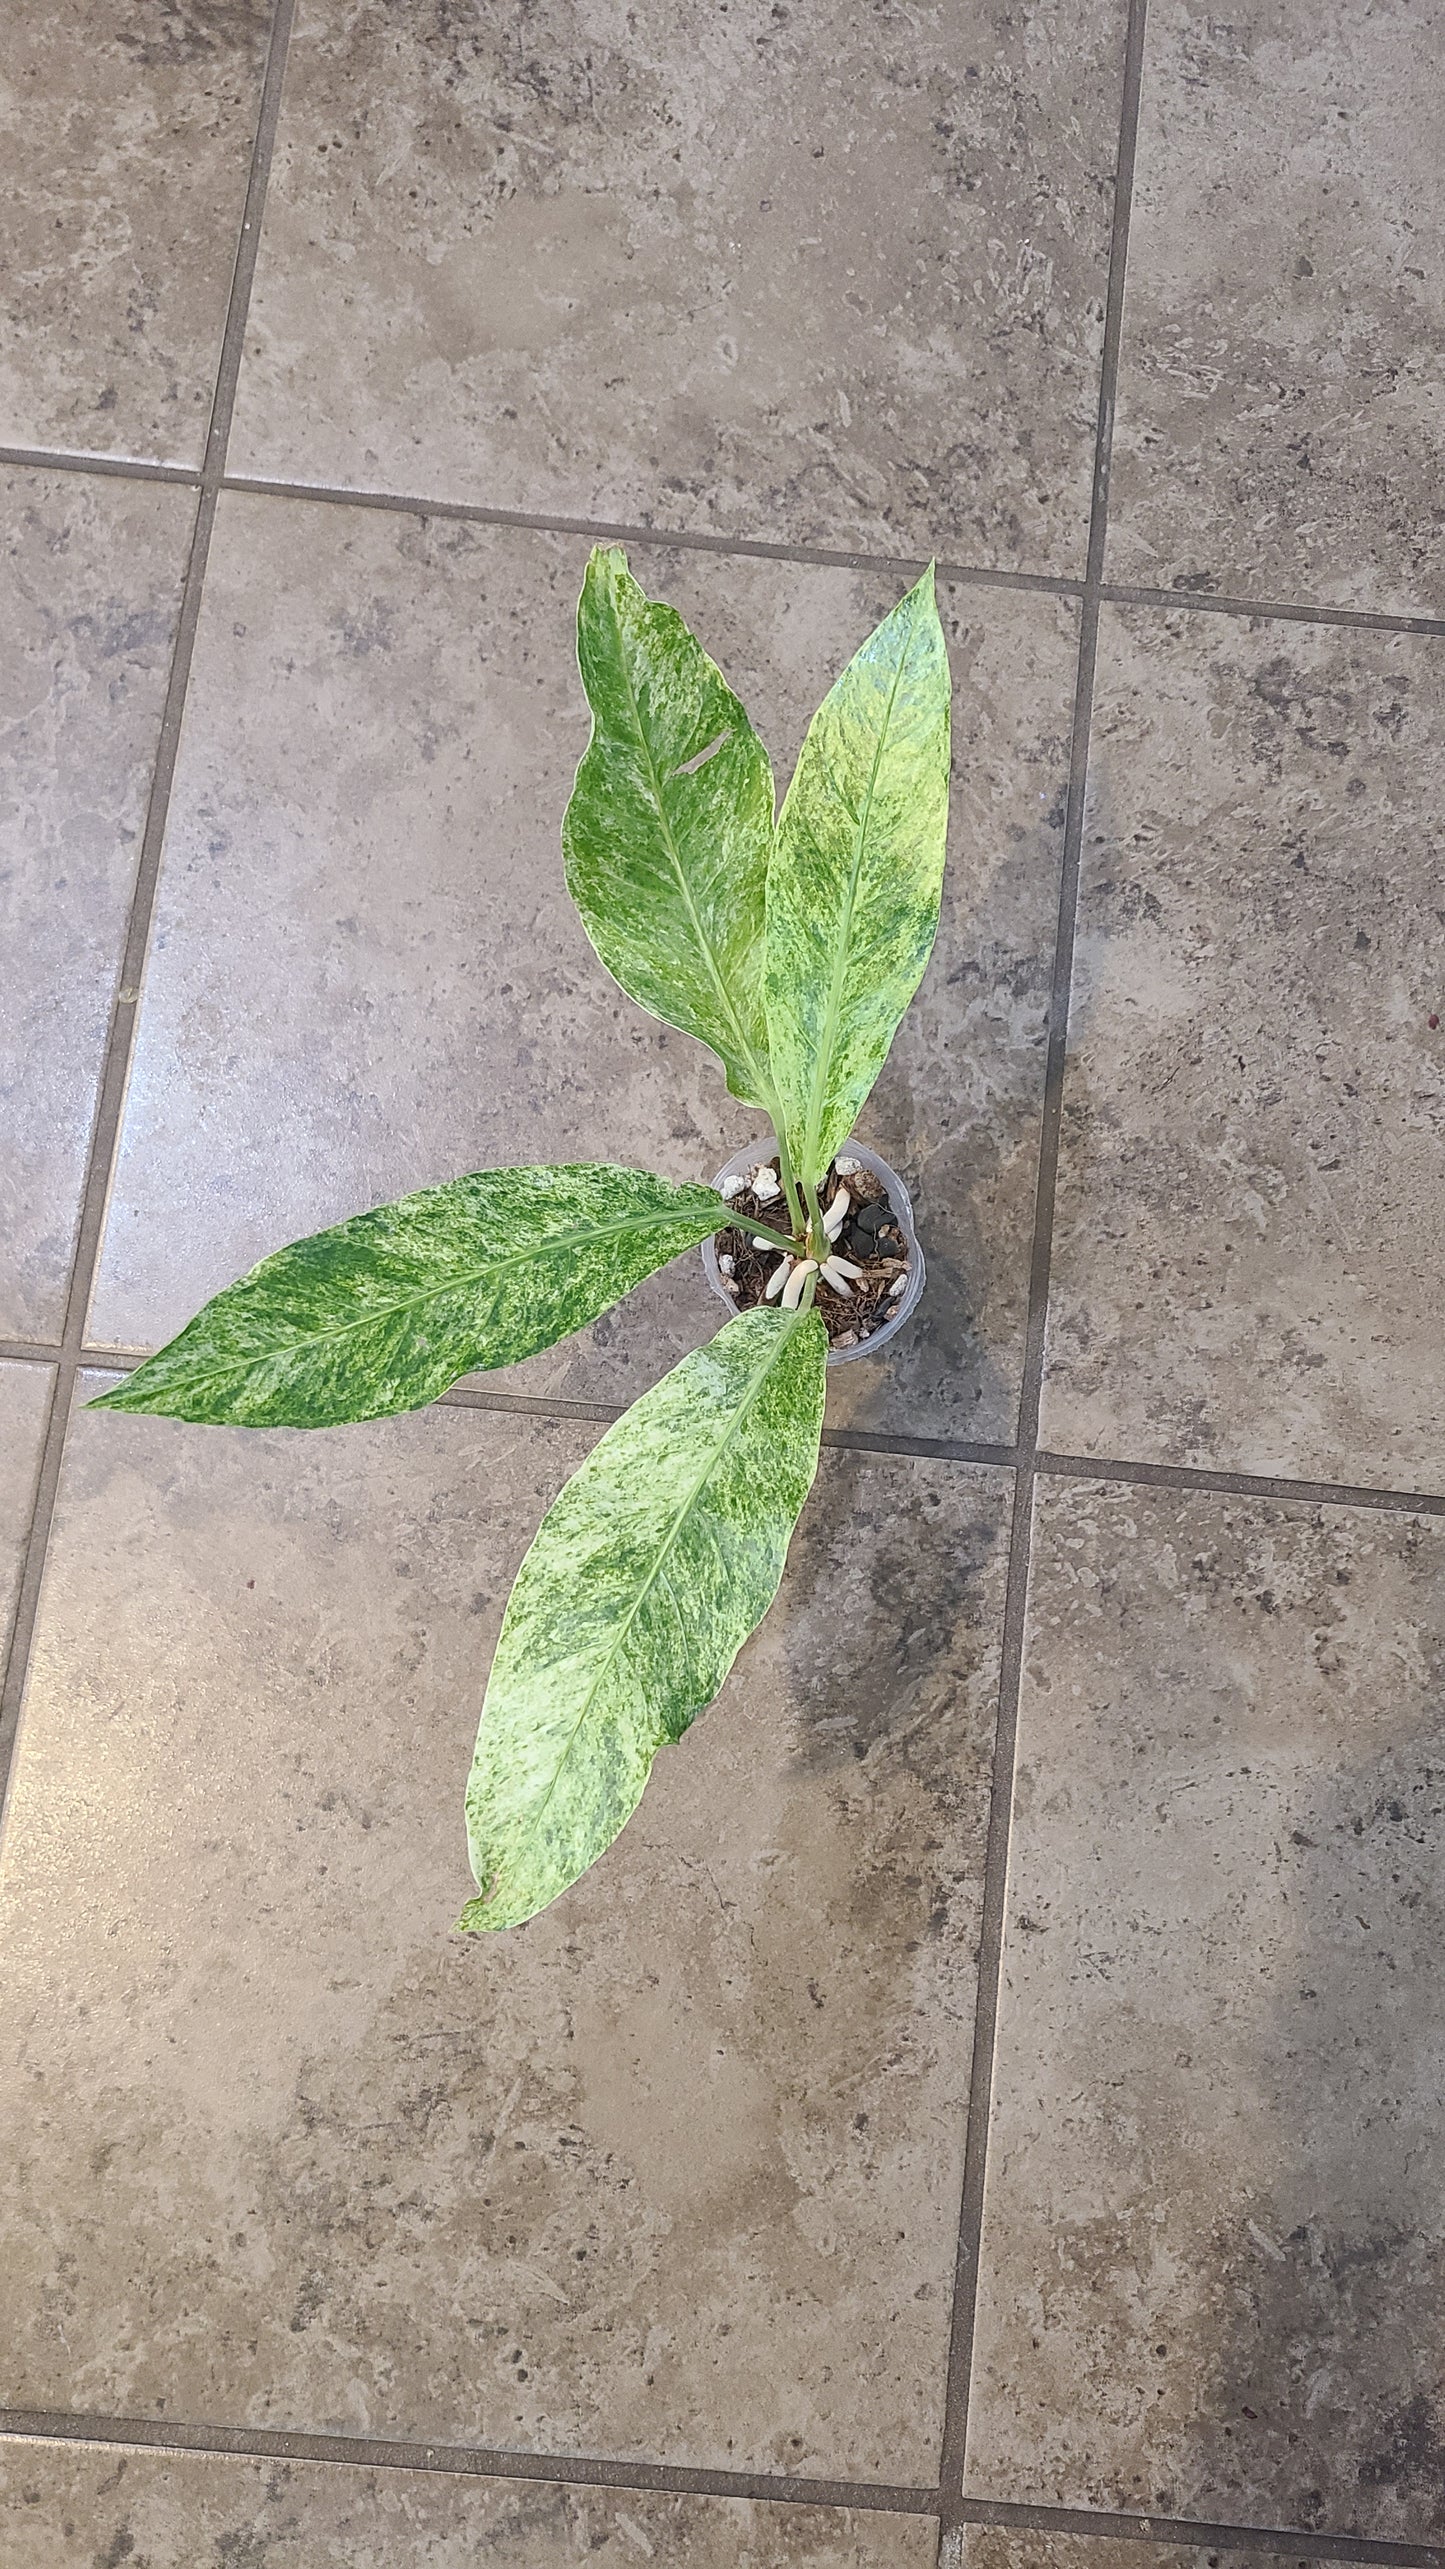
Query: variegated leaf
(645, 1578)
(667, 835)
(383, 1312)
(854, 884)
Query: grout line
(1200, 602)
(1218, 1478)
(1242, 1485)
(923, 1449)
(747, 548)
(120, 468)
(106, 1128)
(479, 2461)
(958, 2381)
(594, 2471)
(616, 531)
(1259, 2541)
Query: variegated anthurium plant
(792, 947)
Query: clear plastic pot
(755, 1155)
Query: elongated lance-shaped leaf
(855, 878)
(383, 1312)
(667, 835)
(645, 1579)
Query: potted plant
(791, 946)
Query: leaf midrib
(554, 1242)
(730, 1429)
(813, 1122)
(744, 1042)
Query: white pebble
(896, 1288)
(765, 1185)
(728, 1187)
(847, 1168)
(725, 1265)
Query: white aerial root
(838, 1272)
(837, 1213)
(777, 1280)
(793, 1289)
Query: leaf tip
(118, 1396)
(607, 559)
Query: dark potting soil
(870, 1239)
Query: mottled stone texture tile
(675, 2168)
(126, 142)
(24, 1410)
(1250, 1236)
(367, 974)
(92, 577)
(986, 2547)
(1279, 432)
(1213, 2244)
(65, 2509)
(832, 276)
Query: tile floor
(985, 2111)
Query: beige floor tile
(1213, 2249)
(817, 278)
(127, 142)
(1279, 432)
(1250, 1233)
(65, 2509)
(93, 578)
(367, 974)
(24, 1411)
(674, 2169)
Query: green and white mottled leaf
(667, 836)
(646, 1577)
(384, 1312)
(856, 874)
